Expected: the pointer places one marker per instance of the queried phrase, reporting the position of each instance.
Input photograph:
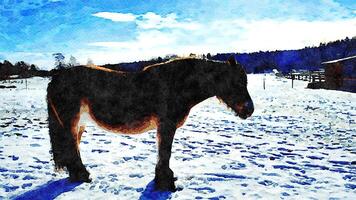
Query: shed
(341, 74)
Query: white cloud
(116, 17)
(222, 36)
(151, 20)
(291, 34)
(145, 39)
(148, 44)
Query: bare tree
(59, 60)
(73, 61)
(90, 62)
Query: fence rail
(312, 77)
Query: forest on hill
(20, 70)
(308, 58)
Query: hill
(308, 58)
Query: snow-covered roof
(339, 60)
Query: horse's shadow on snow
(53, 189)
(49, 190)
(150, 193)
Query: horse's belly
(136, 127)
(131, 127)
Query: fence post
(310, 74)
(264, 82)
(319, 77)
(292, 79)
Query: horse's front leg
(164, 175)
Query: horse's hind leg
(164, 175)
(63, 118)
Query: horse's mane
(96, 67)
(107, 69)
(167, 62)
(104, 68)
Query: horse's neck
(206, 86)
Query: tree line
(308, 58)
(19, 70)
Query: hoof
(86, 180)
(81, 176)
(165, 185)
(164, 180)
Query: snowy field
(299, 144)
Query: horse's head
(233, 89)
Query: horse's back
(82, 80)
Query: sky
(113, 31)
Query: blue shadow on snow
(151, 194)
(49, 190)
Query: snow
(299, 144)
(338, 60)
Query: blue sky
(111, 31)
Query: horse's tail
(56, 133)
(63, 109)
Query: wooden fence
(310, 76)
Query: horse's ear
(231, 60)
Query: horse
(158, 97)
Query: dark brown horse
(160, 96)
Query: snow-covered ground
(299, 144)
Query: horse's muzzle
(245, 110)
